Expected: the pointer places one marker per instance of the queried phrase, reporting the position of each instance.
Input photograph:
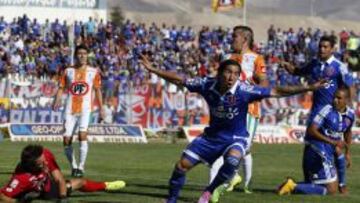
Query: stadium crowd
(32, 51)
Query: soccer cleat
(74, 172)
(205, 197)
(343, 190)
(247, 190)
(114, 185)
(287, 187)
(235, 181)
(79, 173)
(217, 193)
(170, 200)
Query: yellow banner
(224, 5)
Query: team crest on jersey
(79, 88)
(231, 99)
(330, 71)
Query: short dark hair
(249, 34)
(81, 46)
(226, 63)
(330, 39)
(29, 155)
(345, 90)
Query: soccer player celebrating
(325, 67)
(79, 81)
(38, 176)
(253, 72)
(228, 100)
(325, 139)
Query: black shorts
(53, 193)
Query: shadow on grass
(166, 187)
(258, 190)
(153, 195)
(81, 201)
(6, 172)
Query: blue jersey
(227, 112)
(331, 124)
(335, 72)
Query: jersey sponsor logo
(329, 84)
(333, 134)
(230, 113)
(79, 88)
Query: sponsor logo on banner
(271, 134)
(96, 133)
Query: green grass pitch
(147, 167)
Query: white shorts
(73, 120)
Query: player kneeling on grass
(38, 176)
(228, 100)
(323, 158)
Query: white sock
(69, 153)
(215, 168)
(247, 169)
(83, 153)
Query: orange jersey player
(79, 81)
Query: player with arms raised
(254, 73)
(228, 100)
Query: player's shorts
(205, 150)
(251, 126)
(72, 120)
(318, 165)
(53, 193)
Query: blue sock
(341, 169)
(226, 172)
(310, 189)
(176, 182)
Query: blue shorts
(206, 150)
(318, 165)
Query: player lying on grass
(326, 135)
(228, 100)
(38, 176)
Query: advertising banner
(271, 134)
(96, 133)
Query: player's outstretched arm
(168, 76)
(290, 68)
(60, 180)
(291, 90)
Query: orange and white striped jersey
(80, 83)
(251, 64)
